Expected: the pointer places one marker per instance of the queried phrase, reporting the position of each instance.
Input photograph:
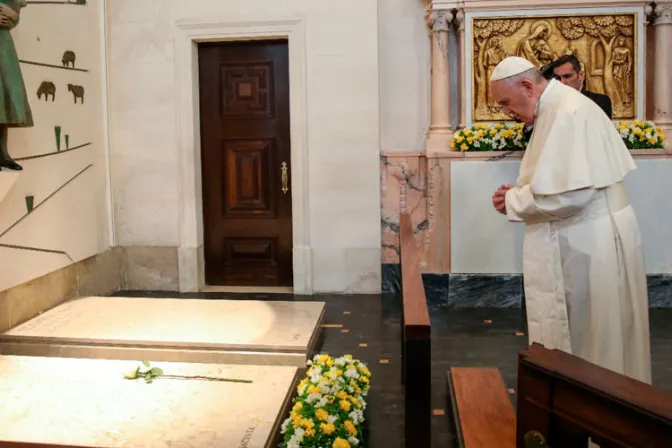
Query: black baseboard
(496, 290)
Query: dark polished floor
(460, 337)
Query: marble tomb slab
(178, 330)
(82, 402)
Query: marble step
(87, 402)
(177, 330)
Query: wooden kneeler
(484, 416)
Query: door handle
(284, 177)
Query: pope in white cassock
(585, 281)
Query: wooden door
(247, 198)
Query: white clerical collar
(548, 88)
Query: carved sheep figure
(69, 58)
(77, 92)
(47, 88)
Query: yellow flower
(309, 432)
(365, 380)
(471, 140)
(330, 362)
(499, 126)
(452, 143)
(493, 132)
(297, 407)
(459, 139)
(307, 423)
(348, 357)
(480, 134)
(327, 428)
(303, 382)
(651, 140)
(342, 395)
(350, 428)
(345, 405)
(323, 359)
(321, 414)
(467, 131)
(464, 147)
(340, 443)
(520, 131)
(636, 131)
(313, 389)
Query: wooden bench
(484, 416)
(416, 356)
(563, 400)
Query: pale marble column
(440, 132)
(662, 88)
(461, 69)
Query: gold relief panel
(606, 45)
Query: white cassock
(585, 280)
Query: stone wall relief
(605, 45)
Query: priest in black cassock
(567, 69)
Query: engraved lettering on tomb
(605, 44)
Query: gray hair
(532, 74)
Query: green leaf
(145, 363)
(156, 371)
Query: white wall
(485, 242)
(75, 219)
(343, 128)
(404, 74)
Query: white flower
(351, 373)
(313, 398)
(285, 425)
(357, 416)
(353, 441)
(332, 419)
(322, 402)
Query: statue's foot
(10, 165)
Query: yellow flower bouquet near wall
(329, 408)
(642, 135)
(496, 137)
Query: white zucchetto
(511, 66)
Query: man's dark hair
(562, 60)
(547, 71)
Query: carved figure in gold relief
(623, 64)
(604, 44)
(535, 47)
(493, 56)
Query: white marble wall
(485, 242)
(404, 44)
(343, 127)
(75, 219)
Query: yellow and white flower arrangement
(329, 408)
(497, 137)
(642, 135)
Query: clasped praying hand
(499, 198)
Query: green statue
(14, 108)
